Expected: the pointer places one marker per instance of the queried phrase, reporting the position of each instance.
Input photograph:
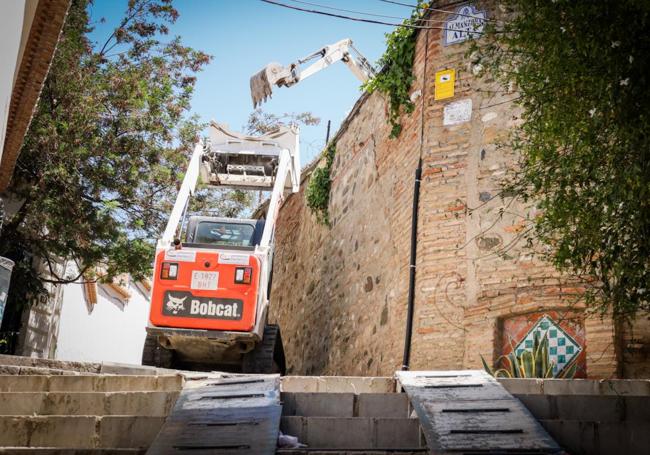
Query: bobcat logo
(175, 304)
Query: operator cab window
(218, 233)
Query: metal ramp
(469, 412)
(234, 415)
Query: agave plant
(529, 364)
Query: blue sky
(244, 35)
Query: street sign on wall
(465, 23)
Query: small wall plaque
(457, 112)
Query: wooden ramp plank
(235, 415)
(470, 412)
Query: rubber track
(260, 360)
(155, 355)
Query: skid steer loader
(212, 276)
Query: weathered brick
(332, 323)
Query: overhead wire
(438, 10)
(358, 19)
(360, 12)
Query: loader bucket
(263, 81)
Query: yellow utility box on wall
(444, 84)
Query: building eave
(44, 35)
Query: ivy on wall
(318, 189)
(396, 76)
(581, 70)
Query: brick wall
(340, 293)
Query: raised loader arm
(187, 190)
(274, 74)
(289, 166)
(232, 160)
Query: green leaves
(107, 146)
(581, 70)
(529, 364)
(318, 189)
(396, 76)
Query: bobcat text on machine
(211, 286)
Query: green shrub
(396, 76)
(318, 189)
(529, 364)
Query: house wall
(112, 330)
(340, 292)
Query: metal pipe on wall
(410, 311)
(411, 296)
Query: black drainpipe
(406, 360)
(411, 297)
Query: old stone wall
(39, 330)
(340, 292)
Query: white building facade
(106, 327)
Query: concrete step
(387, 405)
(87, 403)
(308, 451)
(20, 370)
(318, 404)
(89, 383)
(338, 384)
(354, 432)
(580, 436)
(79, 432)
(599, 408)
(394, 405)
(604, 387)
(15, 360)
(11, 364)
(69, 451)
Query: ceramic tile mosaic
(561, 346)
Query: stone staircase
(348, 415)
(62, 408)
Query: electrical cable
(437, 9)
(358, 19)
(360, 12)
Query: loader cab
(226, 233)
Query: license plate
(205, 280)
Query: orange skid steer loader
(212, 276)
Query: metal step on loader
(212, 275)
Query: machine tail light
(243, 275)
(169, 271)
